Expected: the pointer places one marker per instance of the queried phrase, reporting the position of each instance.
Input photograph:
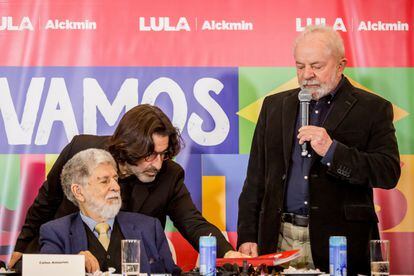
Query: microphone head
(305, 95)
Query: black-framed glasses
(152, 156)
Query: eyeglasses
(152, 156)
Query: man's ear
(77, 192)
(123, 169)
(342, 64)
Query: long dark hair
(132, 139)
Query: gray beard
(104, 210)
(141, 175)
(324, 90)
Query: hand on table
(249, 248)
(91, 263)
(15, 257)
(235, 254)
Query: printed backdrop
(70, 67)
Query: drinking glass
(380, 257)
(130, 257)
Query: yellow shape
(407, 189)
(251, 112)
(213, 196)
(50, 160)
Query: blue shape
(233, 167)
(192, 167)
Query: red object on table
(268, 259)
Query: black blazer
(341, 195)
(166, 195)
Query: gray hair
(80, 167)
(333, 39)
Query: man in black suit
(293, 201)
(143, 146)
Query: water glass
(380, 257)
(130, 257)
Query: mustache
(113, 195)
(152, 170)
(310, 82)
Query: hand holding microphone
(317, 137)
(305, 97)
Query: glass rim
(379, 241)
(130, 240)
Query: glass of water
(130, 257)
(380, 257)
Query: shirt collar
(91, 223)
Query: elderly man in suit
(294, 201)
(89, 180)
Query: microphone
(305, 97)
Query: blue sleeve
(50, 243)
(164, 250)
(328, 158)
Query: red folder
(268, 259)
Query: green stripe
(254, 83)
(397, 86)
(169, 225)
(10, 181)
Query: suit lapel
(78, 239)
(139, 195)
(341, 107)
(343, 103)
(289, 114)
(131, 231)
(134, 194)
(128, 228)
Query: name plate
(52, 265)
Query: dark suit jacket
(341, 195)
(166, 195)
(67, 235)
